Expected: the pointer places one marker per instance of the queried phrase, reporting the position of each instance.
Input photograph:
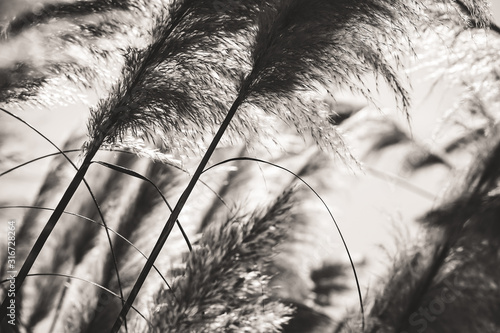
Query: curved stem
(101, 225)
(139, 176)
(351, 261)
(175, 214)
(49, 227)
(38, 159)
(72, 277)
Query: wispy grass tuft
(448, 280)
(294, 51)
(232, 256)
(204, 72)
(48, 48)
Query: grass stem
(173, 217)
(49, 227)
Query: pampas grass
(45, 53)
(448, 282)
(233, 256)
(192, 76)
(309, 59)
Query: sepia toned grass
(191, 76)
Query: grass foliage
(245, 78)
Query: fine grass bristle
(448, 282)
(52, 47)
(233, 255)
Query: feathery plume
(448, 282)
(232, 256)
(257, 60)
(50, 50)
(270, 56)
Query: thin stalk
(351, 261)
(51, 223)
(38, 159)
(99, 224)
(95, 284)
(113, 150)
(173, 217)
(90, 192)
(146, 179)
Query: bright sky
(495, 7)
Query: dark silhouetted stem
(173, 217)
(49, 226)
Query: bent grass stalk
(245, 158)
(114, 150)
(99, 224)
(63, 203)
(146, 179)
(38, 159)
(175, 214)
(72, 277)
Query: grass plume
(233, 256)
(200, 75)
